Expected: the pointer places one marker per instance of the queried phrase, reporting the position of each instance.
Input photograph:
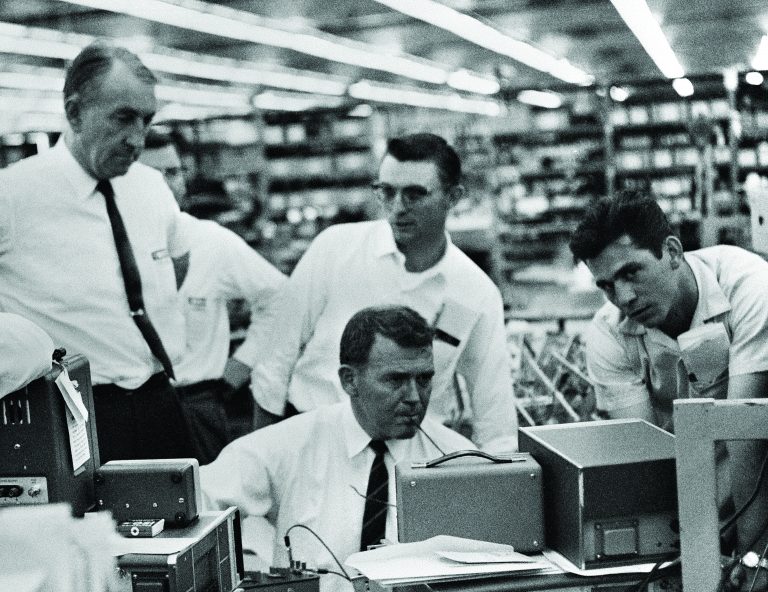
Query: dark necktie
(132, 279)
(376, 499)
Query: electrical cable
(322, 542)
(727, 569)
(431, 440)
(373, 499)
(751, 499)
(655, 572)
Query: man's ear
(674, 248)
(348, 378)
(72, 111)
(455, 194)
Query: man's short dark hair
(401, 324)
(94, 62)
(428, 147)
(606, 220)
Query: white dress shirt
(59, 265)
(352, 266)
(25, 352)
(313, 469)
(222, 267)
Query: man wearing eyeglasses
(406, 258)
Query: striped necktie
(132, 279)
(376, 499)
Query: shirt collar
(81, 182)
(712, 300)
(384, 246)
(711, 303)
(357, 439)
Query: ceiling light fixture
(540, 98)
(52, 81)
(683, 87)
(16, 39)
(479, 33)
(760, 61)
(271, 100)
(619, 93)
(754, 78)
(640, 20)
(387, 93)
(227, 22)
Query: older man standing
(87, 237)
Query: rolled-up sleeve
(239, 477)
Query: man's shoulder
(348, 231)
(461, 271)
(25, 167)
(732, 266)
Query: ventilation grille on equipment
(14, 410)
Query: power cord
(728, 568)
(431, 440)
(751, 499)
(287, 541)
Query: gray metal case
(472, 498)
(609, 490)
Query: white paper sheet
(414, 562)
(569, 567)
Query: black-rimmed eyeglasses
(410, 195)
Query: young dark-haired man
(676, 325)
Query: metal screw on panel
(181, 500)
(535, 543)
(127, 505)
(16, 446)
(412, 483)
(154, 504)
(533, 475)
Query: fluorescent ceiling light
(754, 78)
(52, 80)
(30, 103)
(16, 39)
(760, 61)
(464, 80)
(683, 87)
(485, 36)
(540, 98)
(639, 19)
(388, 93)
(199, 94)
(226, 22)
(281, 101)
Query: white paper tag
(77, 416)
(78, 441)
(72, 396)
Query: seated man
(319, 468)
(677, 325)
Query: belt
(190, 390)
